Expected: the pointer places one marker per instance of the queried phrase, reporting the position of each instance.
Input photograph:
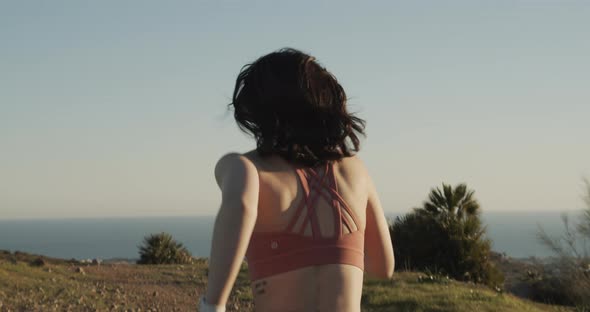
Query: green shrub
(446, 236)
(565, 279)
(163, 249)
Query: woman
(301, 207)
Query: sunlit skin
(261, 194)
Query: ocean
(513, 233)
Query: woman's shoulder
(353, 163)
(233, 162)
(236, 156)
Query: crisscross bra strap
(315, 186)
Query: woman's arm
(237, 178)
(379, 257)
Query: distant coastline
(512, 233)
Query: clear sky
(118, 108)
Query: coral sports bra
(271, 253)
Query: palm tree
(163, 249)
(446, 235)
(458, 202)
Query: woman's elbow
(389, 269)
(387, 273)
(383, 271)
(392, 264)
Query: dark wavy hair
(295, 108)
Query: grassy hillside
(62, 285)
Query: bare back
(332, 287)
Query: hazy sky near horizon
(118, 108)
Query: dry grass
(59, 286)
